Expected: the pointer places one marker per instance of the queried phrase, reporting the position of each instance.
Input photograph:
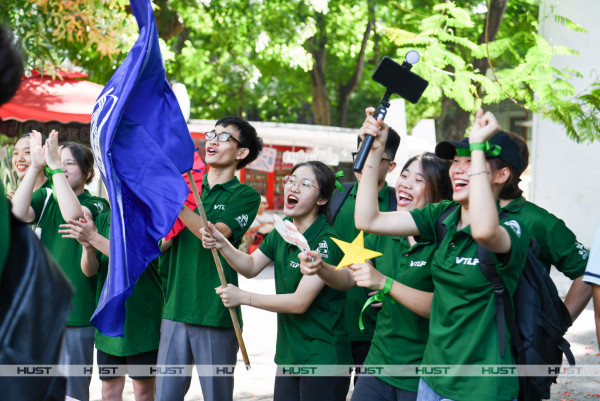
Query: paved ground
(260, 332)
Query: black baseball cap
(510, 150)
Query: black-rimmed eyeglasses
(221, 136)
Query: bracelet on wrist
(387, 286)
(479, 172)
(249, 299)
(50, 172)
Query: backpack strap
(393, 201)
(501, 300)
(440, 228)
(337, 200)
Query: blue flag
(142, 145)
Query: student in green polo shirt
(139, 345)
(344, 224)
(462, 328)
(558, 245)
(424, 179)
(310, 320)
(196, 327)
(70, 167)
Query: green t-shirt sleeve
(519, 245)
(267, 246)
(427, 217)
(96, 205)
(241, 212)
(562, 249)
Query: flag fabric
(198, 174)
(142, 145)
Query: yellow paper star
(354, 252)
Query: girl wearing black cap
(461, 309)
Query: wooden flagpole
(215, 253)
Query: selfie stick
(412, 57)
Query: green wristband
(50, 173)
(387, 286)
(477, 146)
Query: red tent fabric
(44, 99)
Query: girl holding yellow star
(424, 179)
(310, 324)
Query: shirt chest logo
(220, 207)
(323, 249)
(467, 261)
(514, 226)
(242, 220)
(418, 263)
(99, 206)
(294, 265)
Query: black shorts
(110, 361)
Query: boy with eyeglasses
(196, 327)
(343, 222)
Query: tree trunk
(346, 89)
(454, 121)
(316, 47)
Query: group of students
(434, 308)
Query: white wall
(565, 174)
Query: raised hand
(484, 127)
(52, 151)
(376, 128)
(36, 151)
(231, 295)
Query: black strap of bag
(338, 198)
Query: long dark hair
(84, 157)
(325, 182)
(437, 176)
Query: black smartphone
(400, 80)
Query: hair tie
(338, 185)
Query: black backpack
(539, 323)
(338, 198)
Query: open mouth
(460, 184)
(211, 150)
(404, 198)
(291, 201)
(22, 167)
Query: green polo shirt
(397, 327)
(4, 228)
(67, 251)
(143, 307)
(318, 336)
(192, 276)
(558, 245)
(357, 296)
(462, 328)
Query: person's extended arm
(578, 297)
(69, 205)
(247, 265)
(417, 301)
(21, 200)
(485, 225)
(596, 294)
(194, 223)
(89, 262)
(297, 303)
(367, 216)
(340, 280)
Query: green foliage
(446, 41)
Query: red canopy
(44, 99)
